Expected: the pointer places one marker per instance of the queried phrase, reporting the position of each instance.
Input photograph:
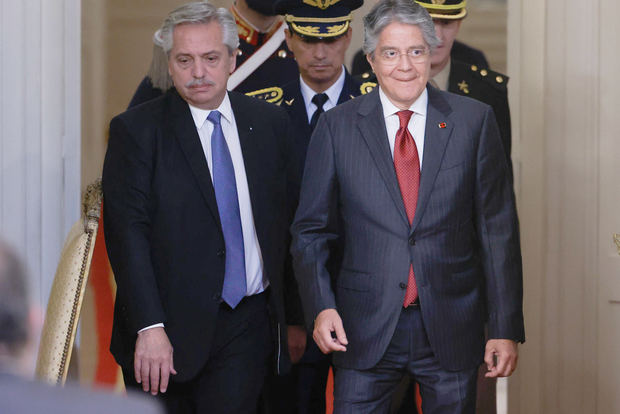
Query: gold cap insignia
(438, 1)
(321, 4)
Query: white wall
(39, 131)
(561, 54)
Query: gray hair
(14, 301)
(399, 11)
(198, 12)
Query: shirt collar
(333, 92)
(419, 106)
(200, 115)
(443, 77)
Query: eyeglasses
(392, 56)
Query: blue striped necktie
(225, 186)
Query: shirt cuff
(157, 325)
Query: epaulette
(495, 79)
(367, 87)
(272, 95)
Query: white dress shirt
(333, 93)
(417, 122)
(253, 258)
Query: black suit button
(403, 286)
(411, 241)
(221, 253)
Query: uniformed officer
(319, 33)
(263, 59)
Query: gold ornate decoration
(464, 87)
(617, 241)
(67, 293)
(440, 10)
(271, 95)
(290, 102)
(321, 4)
(367, 87)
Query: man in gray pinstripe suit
(419, 182)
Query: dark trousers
(409, 352)
(302, 391)
(232, 378)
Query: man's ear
(369, 59)
(288, 36)
(233, 63)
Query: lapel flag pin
(442, 125)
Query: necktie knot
(319, 100)
(215, 117)
(404, 117)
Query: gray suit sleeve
(498, 232)
(311, 230)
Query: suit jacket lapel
(182, 126)
(437, 134)
(372, 128)
(350, 89)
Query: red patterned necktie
(407, 164)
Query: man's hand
(501, 357)
(296, 335)
(153, 360)
(326, 324)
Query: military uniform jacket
(278, 69)
(485, 86)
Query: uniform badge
(271, 95)
(464, 87)
(367, 87)
(289, 103)
(321, 4)
(442, 125)
(440, 2)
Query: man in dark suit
(19, 323)
(319, 36)
(429, 228)
(199, 188)
(257, 24)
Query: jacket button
(403, 286)
(221, 252)
(411, 241)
